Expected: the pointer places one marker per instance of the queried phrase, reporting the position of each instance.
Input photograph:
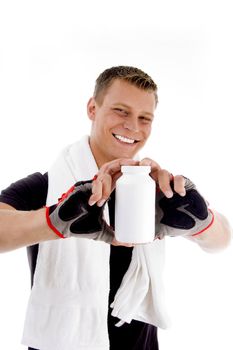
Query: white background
(50, 56)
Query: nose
(131, 124)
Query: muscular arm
(22, 228)
(24, 221)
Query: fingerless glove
(72, 216)
(182, 216)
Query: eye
(121, 111)
(145, 120)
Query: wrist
(211, 221)
(50, 225)
(217, 237)
(45, 232)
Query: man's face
(122, 123)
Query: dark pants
(143, 338)
(133, 336)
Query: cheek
(112, 122)
(101, 124)
(147, 130)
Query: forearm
(215, 238)
(23, 228)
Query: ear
(91, 108)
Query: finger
(164, 179)
(117, 243)
(179, 185)
(106, 189)
(115, 177)
(115, 166)
(101, 190)
(96, 191)
(151, 162)
(155, 167)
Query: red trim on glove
(198, 233)
(51, 225)
(64, 195)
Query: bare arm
(22, 228)
(217, 237)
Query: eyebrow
(126, 106)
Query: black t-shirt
(30, 194)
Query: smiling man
(122, 116)
(74, 280)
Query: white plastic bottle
(135, 205)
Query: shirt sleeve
(29, 193)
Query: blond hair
(129, 74)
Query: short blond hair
(132, 75)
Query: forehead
(122, 92)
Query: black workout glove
(72, 216)
(182, 216)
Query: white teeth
(124, 139)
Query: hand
(182, 215)
(180, 209)
(163, 179)
(72, 216)
(105, 180)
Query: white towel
(68, 306)
(141, 295)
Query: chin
(125, 155)
(117, 153)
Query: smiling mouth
(125, 139)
